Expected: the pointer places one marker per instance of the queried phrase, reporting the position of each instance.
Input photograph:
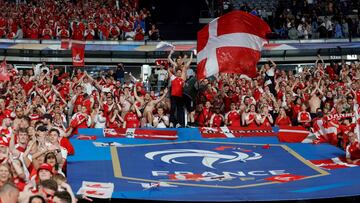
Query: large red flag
(4, 74)
(78, 53)
(231, 43)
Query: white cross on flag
(231, 43)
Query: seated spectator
(283, 119)
(160, 120)
(154, 33)
(303, 117)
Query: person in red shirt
(89, 34)
(46, 33)
(265, 119)
(34, 31)
(251, 119)
(63, 33)
(304, 117)
(345, 129)
(26, 84)
(353, 149)
(176, 98)
(114, 32)
(132, 118)
(78, 33)
(283, 119)
(296, 108)
(216, 119)
(205, 115)
(139, 33)
(233, 118)
(80, 120)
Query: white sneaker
(171, 125)
(178, 126)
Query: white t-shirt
(162, 74)
(160, 123)
(89, 88)
(100, 121)
(271, 72)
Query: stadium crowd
(63, 19)
(303, 19)
(41, 107)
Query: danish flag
(231, 43)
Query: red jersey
(87, 103)
(296, 108)
(251, 116)
(353, 151)
(132, 120)
(177, 86)
(216, 120)
(204, 117)
(78, 34)
(26, 86)
(233, 117)
(266, 122)
(47, 33)
(283, 121)
(304, 116)
(79, 100)
(89, 34)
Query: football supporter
(160, 120)
(177, 82)
(283, 119)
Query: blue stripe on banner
(323, 187)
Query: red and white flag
(233, 132)
(333, 163)
(96, 189)
(231, 43)
(4, 74)
(78, 53)
(295, 134)
(140, 133)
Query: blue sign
(208, 164)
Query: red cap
(46, 167)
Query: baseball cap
(46, 166)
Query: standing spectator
(154, 33)
(177, 101)
(120, 73)
(19, 33)
(338, 30)
(162, 76)
(345, 28)
(329, 27)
